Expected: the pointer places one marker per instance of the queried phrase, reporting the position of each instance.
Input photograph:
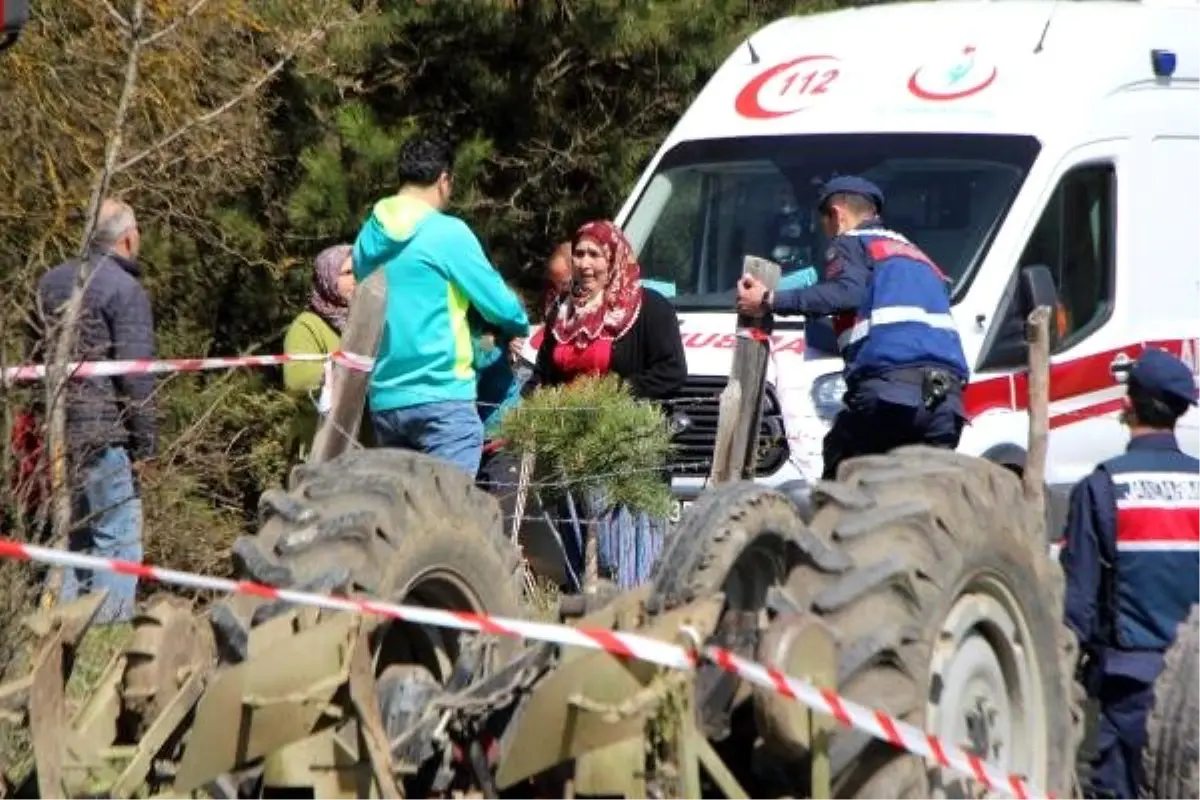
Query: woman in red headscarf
(607, 323)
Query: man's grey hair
(115, 219)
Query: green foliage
(592, 435)
(556, 105)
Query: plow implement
(898, 637)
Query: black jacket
(116, 323)
(649, 357)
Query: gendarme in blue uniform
(1131, 556)
(891, 312)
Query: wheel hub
(984, 736)
(984, 693)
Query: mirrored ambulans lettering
(726, 341)
(698, 341)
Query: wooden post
(338, 430)
(591, 556)
(1038, 335)
(735, 454)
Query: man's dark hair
(423, 160)
(854, 203)
(1154, 412)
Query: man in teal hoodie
(423, 387)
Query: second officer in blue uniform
(904, 363)
(1131, 556)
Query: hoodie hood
(400, 216)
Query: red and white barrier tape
(147, 366)
(625, 645)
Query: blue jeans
(107, 523)
(627, 544)
(450, 430)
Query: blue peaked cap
(1164, 376)
(851, 184)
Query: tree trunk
(57, 372)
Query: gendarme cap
(851, 184)
(1164, 376)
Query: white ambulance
(1005, 135)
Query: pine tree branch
(248, 91)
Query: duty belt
(935, 383)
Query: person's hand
(750, 294)
(515, 348)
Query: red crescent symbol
(917, 91)
(747, 103)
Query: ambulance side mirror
(1007, 347)
(1037, 289)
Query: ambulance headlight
(827, 392)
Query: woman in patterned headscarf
(317, 329)
(607, 323)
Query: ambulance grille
(699, 399)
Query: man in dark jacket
(905, 369)
(111, 424)
(1130, 560)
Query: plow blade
(269, 701)
(595, 700)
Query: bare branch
(248, 91)
(116, 15)
(57, 377)
(169, 29)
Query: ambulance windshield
(711, 202)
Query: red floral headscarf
(612, 312)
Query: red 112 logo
(788, 87)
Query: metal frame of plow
(38, 700)
(303, 703)
(605, 713)
(82, 755)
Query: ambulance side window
(1075, 238)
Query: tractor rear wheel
(170, 642)
(932, 571)
(396, 526)
(1172, 748)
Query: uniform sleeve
(1087, 545)
(475, 276)
(304, 376)
(846, 276)
(664, 366)
(132, 326)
